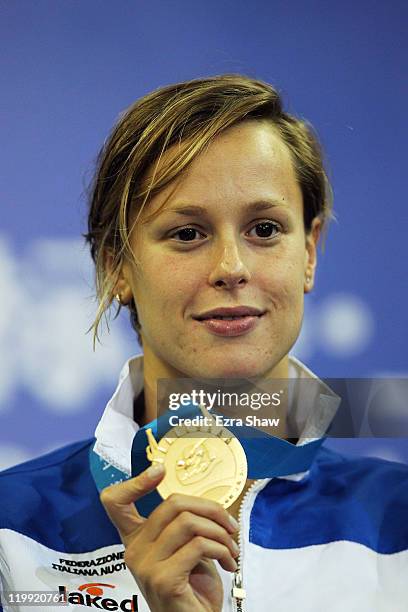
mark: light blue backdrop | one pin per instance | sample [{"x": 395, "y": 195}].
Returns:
[{"x": 70, "y": 67}]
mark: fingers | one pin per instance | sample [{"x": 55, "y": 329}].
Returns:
[
  {"x": 185, "y": 527},
  {"x": 177, "y": 503},
  {"x": 119, "y": 499},
  {"x": 187, "y": 557},
  {"x": 179, "y": 533}
]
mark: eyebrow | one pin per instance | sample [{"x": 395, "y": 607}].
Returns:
[{"x": 199, "y": 210}]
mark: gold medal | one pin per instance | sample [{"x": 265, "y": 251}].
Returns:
[{"x": 212, "y": 465}]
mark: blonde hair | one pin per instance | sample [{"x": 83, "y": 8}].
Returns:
[{"x": 190, "y": 114}]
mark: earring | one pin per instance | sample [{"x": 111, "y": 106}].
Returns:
[
  {"x": 117, "y": 296},
  {"x": 308, "y": 280}
]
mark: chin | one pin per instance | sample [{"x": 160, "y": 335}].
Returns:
[{"x": 234, "y": 368}]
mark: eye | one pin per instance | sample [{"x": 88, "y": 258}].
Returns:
[
  {"x": 266, "y": 229},
  {"x": 186, "y": 234}
]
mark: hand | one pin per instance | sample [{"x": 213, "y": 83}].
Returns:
[{"x": 169, "y": 554}]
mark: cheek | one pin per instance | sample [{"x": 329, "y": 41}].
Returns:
[
  {"x": 282, "y": 281},
  {"x": 166, "y": 285}
]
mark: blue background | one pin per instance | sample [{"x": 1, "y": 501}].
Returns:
[{"x": 70, "y": 67}]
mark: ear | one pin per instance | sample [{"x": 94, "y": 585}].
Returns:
[
  {"x": 122, "y": 286},
  {"x": 312, "y": 239}
]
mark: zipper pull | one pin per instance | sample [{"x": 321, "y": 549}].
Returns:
[{"x": 238, "y": 592}]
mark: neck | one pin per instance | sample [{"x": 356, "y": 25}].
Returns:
[{"x": 155, "y": 369}]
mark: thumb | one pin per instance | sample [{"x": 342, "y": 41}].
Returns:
[{"x": 118, "y": 499}]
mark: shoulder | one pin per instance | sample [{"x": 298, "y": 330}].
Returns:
[
  {"x": 371, "y": 496},
  {"x": 41, "y": 475},
  {"x": 55, "y": 457},
  {"x": 358, "y": 499},
  {"x": 378, "y": 485},
  {"x": 366, "y": 472},
  {"x": 53, "y": 500}
]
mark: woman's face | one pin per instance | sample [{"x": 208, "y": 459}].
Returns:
[{"x": 231, "y": 235}]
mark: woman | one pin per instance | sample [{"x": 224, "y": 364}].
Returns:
[{"x": 209, "y": 201}]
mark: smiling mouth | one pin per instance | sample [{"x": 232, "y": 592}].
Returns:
[
  {"x": 216, "y": 317},
  {"x": 229, "y": 318},
  {"x": 230, "y": 325}
]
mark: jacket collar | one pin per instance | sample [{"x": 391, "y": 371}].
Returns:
[{"x": 116, "y": 429}]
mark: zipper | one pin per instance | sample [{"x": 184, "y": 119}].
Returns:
[{"x": 238, "y": 592}]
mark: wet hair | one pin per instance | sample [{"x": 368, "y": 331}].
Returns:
[{"x": 189, "y": 114}]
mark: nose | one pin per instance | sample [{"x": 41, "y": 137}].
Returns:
[{"x": 229, "y": 269}]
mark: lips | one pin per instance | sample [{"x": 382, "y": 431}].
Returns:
[
  {"x": 236, "y": 326},
  {"x": 227, "y": 313},
  {"x": 230, "y": 321}
]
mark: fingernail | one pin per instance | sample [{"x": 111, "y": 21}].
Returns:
[
  {"x": 154, "y": 470},
  {"x": 234, "y": 523}
]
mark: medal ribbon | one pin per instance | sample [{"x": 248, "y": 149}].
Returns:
[{"x": 267, "y": 456}]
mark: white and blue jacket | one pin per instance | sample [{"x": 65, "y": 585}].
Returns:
[{"x": 329, "y": 538}]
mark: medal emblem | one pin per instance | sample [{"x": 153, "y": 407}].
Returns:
[{"x": 208, "y": 462}]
